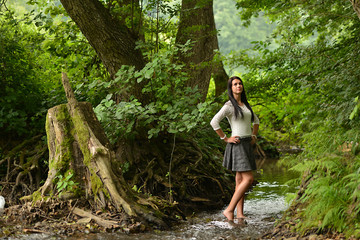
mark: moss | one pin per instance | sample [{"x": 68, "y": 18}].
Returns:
[
  {"x": 63, "y": 117},
  {"x": 67, "y": 156},
  {"x": 36, "y": 196},
  {"x": 83, "y": 135},
  {"x": 105, "y": 191},
  {"x": 75, "y": 127},
  {"x": 62, "y": 114},
  {"x": 96, "y": 183},
  {"x": 101, "y": 151},
  {"x": 47, "y": 128}
]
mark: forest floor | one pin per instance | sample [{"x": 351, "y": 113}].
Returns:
[
  {"x": 63, "y": 219},
  {"x": 58, "y": 219}
]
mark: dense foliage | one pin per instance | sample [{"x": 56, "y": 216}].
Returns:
[
  {"x": 175, "y": 108},
  {"x": 21, "y": 101}
]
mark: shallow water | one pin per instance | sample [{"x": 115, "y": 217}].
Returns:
[{"x": 263, "y": 205}]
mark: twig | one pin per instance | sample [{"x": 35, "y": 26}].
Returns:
[
  {"x": 3, "y": 3},
  {"x": 49, "y": 218},
  {"x": 72, "y": 209},
  {"x": 28, "y": 230},
  {"x": 171, "y": 157},
  {"x": 7, "y": 183}
]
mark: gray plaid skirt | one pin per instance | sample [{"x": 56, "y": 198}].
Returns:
[{"x": 239, "y": 157}]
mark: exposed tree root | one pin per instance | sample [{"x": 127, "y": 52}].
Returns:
[
  {"x": 194, "y": 176},
  {"x": 24, "y": 164}
]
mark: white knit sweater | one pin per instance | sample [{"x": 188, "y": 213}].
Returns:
[{"x": 239, "y": 126}]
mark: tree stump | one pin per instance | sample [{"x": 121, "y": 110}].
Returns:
[{"x": 79, "y": 147}]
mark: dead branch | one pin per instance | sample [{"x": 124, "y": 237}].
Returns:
[{"x": 102, "y": 222}]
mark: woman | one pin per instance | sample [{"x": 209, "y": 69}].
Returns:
[{"x": 238, "y": 155}]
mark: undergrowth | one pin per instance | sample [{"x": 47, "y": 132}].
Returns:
[{"x": 331, "y": 200}]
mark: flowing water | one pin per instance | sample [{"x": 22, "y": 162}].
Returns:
[{"x": 263, "y": 205}]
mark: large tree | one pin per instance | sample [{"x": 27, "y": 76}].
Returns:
[{"x": 197, "y": 24}]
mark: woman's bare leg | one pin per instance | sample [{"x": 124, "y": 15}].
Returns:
[
  {"x": 240, "y": 205},
  {"x": 247, "y": 179}
]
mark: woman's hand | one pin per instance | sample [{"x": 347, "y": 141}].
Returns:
[
  {"x": 253, "y": 139},
  {"x": 234, "y": 139}
]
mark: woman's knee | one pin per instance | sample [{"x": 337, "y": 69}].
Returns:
[
  {"x": 249, "y": 178},
  {"x": 246, "y": 177}
]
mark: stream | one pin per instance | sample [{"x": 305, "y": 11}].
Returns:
[{"x": 263, "y": 205}]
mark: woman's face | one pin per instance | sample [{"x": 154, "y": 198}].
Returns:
[{"x": 237, "y": 87}]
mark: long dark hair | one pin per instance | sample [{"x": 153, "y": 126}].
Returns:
[{"x": 237, "y": 109}]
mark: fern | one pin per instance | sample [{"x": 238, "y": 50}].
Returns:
[{"x": 331, "y": 200}]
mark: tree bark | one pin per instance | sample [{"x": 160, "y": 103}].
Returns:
[
  {"x": 220, "y": 78},
  {"x": 113, "y": 42},
  {"x": 356, "y": 6},
  {"x": 197, "y": 24}
]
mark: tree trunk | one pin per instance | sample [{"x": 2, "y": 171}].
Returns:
[
  {"x": 356, "y": 6},
  {"x": 220, "y": 78},
  {"x": 113, "y": 42},
  {"x": 197, "y": 24},
  {"x": 78, "y": 144}
]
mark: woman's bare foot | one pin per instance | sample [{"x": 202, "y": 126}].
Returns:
[
  {"x": 241, "y": 217},
  {"x": 229, "y": 215}
]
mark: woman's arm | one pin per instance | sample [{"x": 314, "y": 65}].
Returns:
[
  {"x": 254, "y": 133},
  {"x": 215, "y": 123},
  {"x": 225, "y": 138}
]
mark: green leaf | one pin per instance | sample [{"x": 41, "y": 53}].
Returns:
[
  {"x": 149, "y": 73},
  {"x": 109, "y": 103}
]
